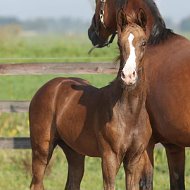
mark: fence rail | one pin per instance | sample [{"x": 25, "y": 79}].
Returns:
[
  {"x": 15, "y": 143},
  {"x": 14, "y": 106},
  {"x": 57, "y": 68}
]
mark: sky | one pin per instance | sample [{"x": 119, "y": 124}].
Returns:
[
  {"x": 29, "y": 9},
  {"x": 175, "y": 9}
]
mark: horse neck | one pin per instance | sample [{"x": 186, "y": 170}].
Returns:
[
  {"x": 131, "y": 99},
  {"x": 111, "y": 5}
]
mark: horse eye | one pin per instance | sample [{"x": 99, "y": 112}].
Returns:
[{"x": 143, "y": 43}]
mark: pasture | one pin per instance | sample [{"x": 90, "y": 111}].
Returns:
[{"x": 16, "y": 164}]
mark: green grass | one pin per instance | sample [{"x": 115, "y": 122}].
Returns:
[
  {"x": 16, "y": 171},
  {"x": 24, "y": 87},
  {"x": 53, "y": 49},
  {"x": 56, "y": 174},
  {"x": 55, "y": 178}
]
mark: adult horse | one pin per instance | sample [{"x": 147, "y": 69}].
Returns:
[
  {"x": 167, "y": 68},
  {"x": 111, "y": 122}
]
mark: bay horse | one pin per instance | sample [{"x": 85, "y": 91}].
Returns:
[
  {"x": 167, "y": 71},
  {"x": 110, "y": 122}
]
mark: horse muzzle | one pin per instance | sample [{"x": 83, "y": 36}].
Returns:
[
  {"x": 96, "y": 39},
  {"x": 130, "y": 78}
]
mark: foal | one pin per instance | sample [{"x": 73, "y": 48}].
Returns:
[{"x": 110, "y": 122}]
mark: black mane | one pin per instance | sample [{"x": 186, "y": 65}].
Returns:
[{"x": 159, "y": 31}]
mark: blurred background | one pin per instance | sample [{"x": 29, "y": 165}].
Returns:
[
  {"x": 41, "y": 30},
  {"x": 61, "y": 16},
  {"x": 56, "y": 31}
]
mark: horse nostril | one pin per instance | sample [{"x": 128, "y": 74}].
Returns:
[
  {"x": 122, "y": 74},
  {"x": 134, "y": 73}
]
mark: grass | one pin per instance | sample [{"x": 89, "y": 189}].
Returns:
[
  {"x": 55, "y": 178},
  {"x": 24, "y": 87},
  {"x": 19, "y": 162},
  {"x": 53, "y": 49}
]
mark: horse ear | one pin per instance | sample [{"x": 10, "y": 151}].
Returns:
[
  {"x": 142, "y": 19},
  {"x": 121, "y": 20}
]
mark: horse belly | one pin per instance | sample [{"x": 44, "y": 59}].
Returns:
[{"x": 169, "y": 105}]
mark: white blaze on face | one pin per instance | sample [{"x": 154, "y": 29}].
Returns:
[
  {"x": 130, "y": 65},
  {"x": 129, "y": 70}
]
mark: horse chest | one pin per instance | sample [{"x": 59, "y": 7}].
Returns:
[{"x": 117, "y": 127}]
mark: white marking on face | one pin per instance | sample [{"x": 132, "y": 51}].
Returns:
[
  {"x": 129, "y": 74},
  {"x": 130, "y": 65}
]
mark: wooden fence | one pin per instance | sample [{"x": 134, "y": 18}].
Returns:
[{"x": 41, "y": 69}]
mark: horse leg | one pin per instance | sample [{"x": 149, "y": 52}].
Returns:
[
  {"x": 110, "y": 166},
  {"x": 43, "y": 142},
  {"x": 139, "y": 169},
  {"x": 133, "y": 170},
  {"x": 75, "y": 167},
  {"x": 41, "y": 155},
  {"x": 176, "y": 163},
  {"x": 146, "y": 180}
]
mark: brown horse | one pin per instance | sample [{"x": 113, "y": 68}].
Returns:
[
  {"x": 167, "y": 68},
  {"x": 111, "y": 122}
]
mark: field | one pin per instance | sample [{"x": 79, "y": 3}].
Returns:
[
  {"x": 51, "y": 48},
  {"x": 16, "y": 164}
]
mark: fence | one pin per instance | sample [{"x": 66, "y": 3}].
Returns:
[{"x": 41, "y": 69}]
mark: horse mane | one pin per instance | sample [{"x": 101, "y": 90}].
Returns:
[{"x": 159, "y": 31}]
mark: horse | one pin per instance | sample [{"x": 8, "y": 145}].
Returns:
[
  {"x": 167, "y": 71},
  {"x": 111, "y": 122}
]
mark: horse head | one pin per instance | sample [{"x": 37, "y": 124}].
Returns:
[
  {"x": 103, "y": 23},
  {"x": 132, "y": 44}
]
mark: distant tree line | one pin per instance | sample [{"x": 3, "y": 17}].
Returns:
[
  {"x": 48, "y": 25},
  {"x": 182, "y": 26},
  {"x": 69, "y": 25}
]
